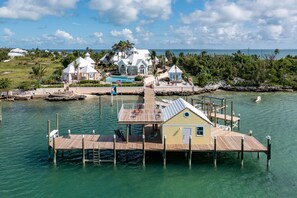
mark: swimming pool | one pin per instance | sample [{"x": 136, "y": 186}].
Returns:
[{"x": 123, "y": 79}]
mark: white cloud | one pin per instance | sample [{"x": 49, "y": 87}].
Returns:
[
  {"x": 8, "y": 32},
  {"x": 61, "y": 36},
  {"x": 228, "y": 21},
  {"x": 124, "y": 33},
  {"x": 64, "y": 35},
  {"x": 126, "y": 11},
  {"x": 143, "y": 34},
  {"x": 98, "y": 36},
  {"x": 34, "y": 9}
]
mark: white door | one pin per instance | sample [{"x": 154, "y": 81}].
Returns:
[{"x": 186, "y": 135}]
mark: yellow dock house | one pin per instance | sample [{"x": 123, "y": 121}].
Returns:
[{"x": 182, "y": 120}]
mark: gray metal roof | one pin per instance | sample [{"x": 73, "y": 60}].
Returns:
[{"x": 179, "y": 105}]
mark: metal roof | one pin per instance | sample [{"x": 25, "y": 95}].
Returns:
[
  {"x": 175, "y": 69},
  {"x": 179, "y": 105}
]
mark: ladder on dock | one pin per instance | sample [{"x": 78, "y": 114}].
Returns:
[{"x": 96, "y": 155}]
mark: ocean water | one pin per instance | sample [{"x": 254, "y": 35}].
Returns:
[
  {"x": 262, "y": 53},
  {"x": 26, "y": 172}
]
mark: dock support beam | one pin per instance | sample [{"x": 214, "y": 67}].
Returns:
[
  {"x": 225, "y": 111},
  {"x": 190, "y": 151},
  {"x": 231, "y": 116},
  {"x": 242, "y": 149},
  {"x": 215, "y": 151},
  {"x": 55, "y": 152},
  {"x": 215, "y": 116},
  {"x": 127, "y": 133},
  {"x": 49, "y": 138},
  {"x": 143, "y": 150},
  {"x": 268, "y": 151},
  {"x": 114, "y": 151},
  {"x": 164, "y": 151},
  {"x": 83, "y": 149},
  {"x": 57, "y": 122}
]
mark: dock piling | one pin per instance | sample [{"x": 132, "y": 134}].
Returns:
[
  {"x": 268, "y": 151},
  {"x": 49, "y": 138},
  {"x": 232, "y": 115},
  {"x": 251, "y": 133},
  {"x": 215, "y": 151},
  {"x": 55, "y": 151},
  {"x": 114, "y": 151},
  {"x": 143, "y": 150},
  {"x": 164, "y": 151},
  {"x": 242, "y": 149},
  {"x": 83, "y": 149},
  {"x": 190, "y": 151}
]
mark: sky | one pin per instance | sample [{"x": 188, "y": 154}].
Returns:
[{"x": 152, "y": 24}]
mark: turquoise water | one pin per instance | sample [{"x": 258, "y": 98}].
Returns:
[
  {"x": 26, "y": 172},
  {"x": 122, "y": 79}
]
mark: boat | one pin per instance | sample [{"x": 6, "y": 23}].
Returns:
[
  {"x": 167, "y": 101},
  {"x": 258, "y": 99}
]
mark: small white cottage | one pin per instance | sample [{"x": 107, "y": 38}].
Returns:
[{"x": 175, "y": 74}]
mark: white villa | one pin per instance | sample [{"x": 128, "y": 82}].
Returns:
[
  {"x": 132, "y": 62},
  {"x": 175, "y": 74},
  {"x": 17, "y": 52},
  {"x": 85, "y": 69}
]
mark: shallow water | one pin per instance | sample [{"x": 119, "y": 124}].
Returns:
[{"x": 26, "y": 172}]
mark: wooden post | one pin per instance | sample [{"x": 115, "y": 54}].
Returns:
[
  {"x": 231, "y": 115},
  {"x": 215, "y": 151},
  {"x": 130, "y": 129},
  {"x": 83, "y": 149},
  {"x": 143, "y": 150},
  {"x": 268, "y": 150},
  {"x": 215, "y": 116},
  {"x": 57, "y": 122},
  {"x": 225, "y": 111},
  {"x": 49, "y": 138},
  {"x": 127, "y": 133},
  {"x": 242, "y": 148},
  {"x": 114, "y": 151},
  {"x": 54, "y": 148},
  {"x": 164, "y": 151},
  {"x": 222, "y": 104},
  {"x": 190, "y": 151},
  {"x": 238, "y": 126},
  {"x": 192, "y": 101}
]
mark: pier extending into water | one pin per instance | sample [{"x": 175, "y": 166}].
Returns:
[{"x": 222, "y": 138}]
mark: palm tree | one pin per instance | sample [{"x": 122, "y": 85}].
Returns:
[
  {"x": 38, "y": 72},
  {"x": 153, "y": 56},
  {"x": 76, "y": 67},
  {"x": 5, "y": 84}
]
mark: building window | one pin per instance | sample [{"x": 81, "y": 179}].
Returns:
[
  {"x": 199, "y": 131},
  {"x": 186, "y": 114}
]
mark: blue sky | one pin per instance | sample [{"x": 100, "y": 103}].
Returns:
[{"x": 153, "y": 24}]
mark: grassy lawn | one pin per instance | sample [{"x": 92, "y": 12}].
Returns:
[{"x": 18, "y": 70}]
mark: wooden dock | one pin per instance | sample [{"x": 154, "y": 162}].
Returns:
[
  {"x": 227, "y": 141},
  {"x": 222, "y": 140}
]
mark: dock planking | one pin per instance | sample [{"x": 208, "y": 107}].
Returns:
[{"x": 226, "y": 142}]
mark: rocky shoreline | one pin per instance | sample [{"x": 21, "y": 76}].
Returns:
[{"x": 170, "y": 91}]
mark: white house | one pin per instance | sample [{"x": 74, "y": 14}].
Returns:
[
  {"x": 17, "y": 52},
  {"x": 132, "y": 62},
  {"x": 137, "y": 62},
  {"x": 79, "y": 69},
  {"x": 89, "y": 59},
  {"x": 175, "y": 74}
]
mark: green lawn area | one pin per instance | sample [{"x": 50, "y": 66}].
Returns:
[{"x": 18, "y": 69}]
